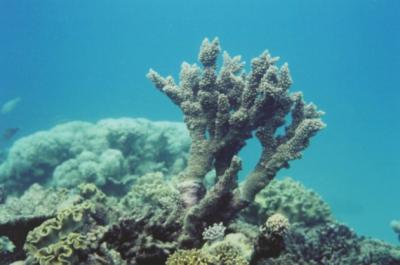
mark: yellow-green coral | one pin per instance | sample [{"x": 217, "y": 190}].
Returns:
[
  {"x": 62, "y": 252},
  {"x": 189, "y": 257},
  {"x": 237, "y": 245},
  {"x": 55, "y": 240},
  {"x": 227, "y": 254}
]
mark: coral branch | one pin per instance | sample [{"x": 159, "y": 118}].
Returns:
[
  {"x": 222, "y": 109},
  {"x": 208, "y": 210}
]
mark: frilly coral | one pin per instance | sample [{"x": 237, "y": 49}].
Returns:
[{"x": 56, "y": 240}]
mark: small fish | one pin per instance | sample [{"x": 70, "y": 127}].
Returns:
[
  {"x": 10, "y": 105},
  {"x": 9, "y": 133}
]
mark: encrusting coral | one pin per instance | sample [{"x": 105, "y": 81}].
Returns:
[{"x": 221, "y": 111}]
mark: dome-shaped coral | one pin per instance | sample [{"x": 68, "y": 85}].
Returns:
[{"x": 293, "y": 200}]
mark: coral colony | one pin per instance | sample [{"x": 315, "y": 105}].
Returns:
[{"x": 135, "y": 192}]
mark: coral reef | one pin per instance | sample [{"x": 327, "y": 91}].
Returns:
[
  {"x": 214, "y": 232},
  {"x": 271, "y": 239},
  {"x": 20, "y": 215},
  {"x": 57, "y": 240},
  {"x": 332, "y": 243},
  {"x": 221, "y": 111},
  {"x": 292, "y": 199},
  {"x": 235, "y": 247},
  {"x": 110, "y": 152},
  {"x": 131, "y": 192},
  {"x": 6, "y": 245}
]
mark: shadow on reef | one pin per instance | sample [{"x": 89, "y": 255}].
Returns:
[{"x": 132, "y": 192}]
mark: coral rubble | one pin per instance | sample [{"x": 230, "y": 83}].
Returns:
[{"x": 135, "y": 192}]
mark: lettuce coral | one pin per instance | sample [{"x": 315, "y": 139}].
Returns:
[{"x": 56, "y": 240}]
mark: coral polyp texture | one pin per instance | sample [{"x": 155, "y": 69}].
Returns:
[{"x": 136, "y": 192}]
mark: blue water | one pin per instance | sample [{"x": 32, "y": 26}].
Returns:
[{"x": 87, "y": 60}]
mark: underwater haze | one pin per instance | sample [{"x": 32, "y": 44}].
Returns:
[{"x": 87, "y": 60}]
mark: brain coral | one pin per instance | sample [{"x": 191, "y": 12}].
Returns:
[
  {"x": 114, "y": 150},
  {"x": 293, "y": 200}
]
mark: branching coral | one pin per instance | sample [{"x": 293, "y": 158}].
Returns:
[
  {"x": 179, "y": 220},
  {"x": 222, "y": 110},
  {"x": 214, "y": 232}
]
